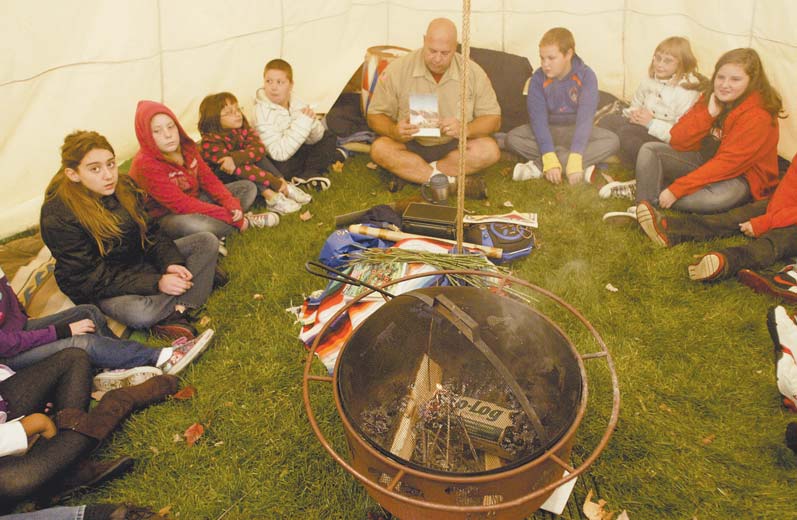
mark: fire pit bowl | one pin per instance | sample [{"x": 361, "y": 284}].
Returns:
[{"x": 460, "y": 402}]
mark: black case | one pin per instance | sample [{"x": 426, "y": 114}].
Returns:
[{"x": 432, "y": 220}]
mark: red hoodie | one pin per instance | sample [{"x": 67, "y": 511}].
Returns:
[
  {"x": 782, "y": 208},
  {"x": 748, "y": 146},
  {"x": 172, "y": 188}
]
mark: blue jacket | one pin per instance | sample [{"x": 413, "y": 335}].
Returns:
[{"x": 569, "y": 101}]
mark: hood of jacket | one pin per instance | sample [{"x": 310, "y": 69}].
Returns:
[{"x": 145, "y": 111}]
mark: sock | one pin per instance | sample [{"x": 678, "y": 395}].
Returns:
[{"x": 164, "y": 356}]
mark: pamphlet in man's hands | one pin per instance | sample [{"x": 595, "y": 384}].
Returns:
[{"x": 424, "y": 114}]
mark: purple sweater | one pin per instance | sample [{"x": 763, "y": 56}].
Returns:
[{"x": 14, "y": 339}]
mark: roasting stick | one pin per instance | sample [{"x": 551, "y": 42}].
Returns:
[{"x": 428, "y": 376}]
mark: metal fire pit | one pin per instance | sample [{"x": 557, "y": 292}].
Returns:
[{"x": 460, "y": 402}]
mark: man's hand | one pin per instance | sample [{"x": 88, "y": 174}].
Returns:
[
  {"x": 450, "y": 126},
  {"x": 82, "y": 327},
  {"x": 404, "y": 130}
]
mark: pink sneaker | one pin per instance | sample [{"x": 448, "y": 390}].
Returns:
[{"x": 185, "y": 351}]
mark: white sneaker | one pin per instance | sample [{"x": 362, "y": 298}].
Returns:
[
  {"x": 185, "y": 351},
  {"x": 316, "y": 183},
  {"x": 589, "y": 173},
  {"x": 619, "y": 190},
  {"x": 112, "y": 379},
  {"x": 619, "y": 218},
  {"x": 222, "y": 246},
  {"x": 282, "y": 204},
  {"x": 526, "y": 171},
  {"x": 262, "y": 220},
  {"x": 296, "y": 194}
]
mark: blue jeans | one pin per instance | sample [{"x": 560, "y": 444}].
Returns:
[
  {"x": 53, "y": 513},
  {"x": 103, "y": 347},
  {"x": 201, "y": 250},
  {"x": 176, "y": 226}
]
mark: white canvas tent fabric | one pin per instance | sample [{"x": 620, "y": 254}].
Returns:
[{"x": 84, "y": 64}]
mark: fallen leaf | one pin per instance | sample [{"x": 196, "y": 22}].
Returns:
[
  {"x": 508, "y": 204},
  {"x": 257, "y": 296},
  {"x": 337, "y": 167},
  {"x": 220, "y": 443},
  {"x": 595, "y": 511},
  {"x": 154, "y": 450},
  {"x": 663, "y": 407},
  {"x": 186, "y": 393},
  {"x": 708, "y": 439},
  {"x": 304, "y": 217},
  {"x": 487, "y": 203},
  {"x": 177, "y": 438},
  {"x": 165, "y": 510},
  {"x": 372, "y": 166},
  {"x": 611, "y": 288},
  {"x": 193, "y": 433},
  {"x": 204, "y": 321},
  {"x": 97, "y": 395},
  {"x": 228, "y": 404}
]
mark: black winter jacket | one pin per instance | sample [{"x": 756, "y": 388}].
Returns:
[{"x": 127, "y": 268}]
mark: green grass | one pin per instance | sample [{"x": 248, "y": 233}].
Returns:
[{"x": 694, "y": 362}]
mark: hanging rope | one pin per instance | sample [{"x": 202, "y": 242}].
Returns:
[{"x": 463, "y": 139}]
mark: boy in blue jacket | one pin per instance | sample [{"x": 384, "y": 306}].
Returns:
[{"x": 562, "y": 99}]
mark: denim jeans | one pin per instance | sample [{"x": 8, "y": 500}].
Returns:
[
  {"x": 53, "y": 513},
  {"x": 658, "y": 165},
  {"x": 177, "y": 226},
  {"x": 201, "y": 250},
  {"x": 103, "y": 347}
]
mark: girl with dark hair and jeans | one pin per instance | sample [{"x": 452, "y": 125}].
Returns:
[{"x": 109, "y": 253}]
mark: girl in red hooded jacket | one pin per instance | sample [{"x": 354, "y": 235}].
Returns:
[
  {"x": 182, "y": 190},
  {"x": 723, "y": 152}
]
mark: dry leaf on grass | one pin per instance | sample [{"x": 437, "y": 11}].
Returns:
[
  {"x": 154, "y": 450},
  {"x": 304, "y": 217},
  {"x": 165, "y": 510},
  {"x": 177, "y": 438},
  {"x": 372, "y": 166},
  {"x": 204, "y": 321},
  {"x": 611, "y": 288},
  {"x": 708, "y": 439},
  {"x": 337, "y": 167},
  {"x": 595, "y": 511},
  {"x": 508, "y": 204},
  {"x": 664, "y": 408},
  {"x": 193, "y": 433},
  {"x": 186, "y": 393},
  {"x": 257, "y": 296}
]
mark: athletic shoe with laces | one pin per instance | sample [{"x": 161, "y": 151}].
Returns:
[
  {"x": 526, "y": 171},
  {"x": 262, "y": 220},
  {"x": 619, "y": 190},
  {"x": 282, "y": 205},
  {"x": 782, "y": 284},
  {"x": 650, "y": 222},
  {"x": 185, "y": 351},
  {"x": 316, "y": 183},
  {"x": 618, "y": 218},
  {"x": 111, "y": 379},
  {"x": 783, "y": 332},
  {"x": 710, "y": 267},
  {"x": 295, "y": 194}
]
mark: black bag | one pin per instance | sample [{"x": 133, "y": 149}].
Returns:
[
  {"x": 431, "y": 220},
  {"x": 515, "y": 240}
]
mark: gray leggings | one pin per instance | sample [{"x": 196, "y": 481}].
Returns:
[
  {"x": 601, "y": 145},
  {"x": 658, "y": 165},
  {"x": 201, "y": 251}
]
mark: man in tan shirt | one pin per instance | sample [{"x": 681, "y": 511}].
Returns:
[{"x": 434, "y": 69}]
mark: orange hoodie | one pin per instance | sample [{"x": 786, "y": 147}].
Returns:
[
  {"x": 782, "y": 208},
  {"x": 172, "y": 188},
  {"x": 748, "y": 146}
]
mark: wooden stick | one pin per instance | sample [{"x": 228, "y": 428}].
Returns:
[
  {"x": 429, "y": 375},
  {"x": 395, "y": 236}
]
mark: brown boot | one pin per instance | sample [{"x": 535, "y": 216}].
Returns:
[{"x": 115, "y": 406}]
